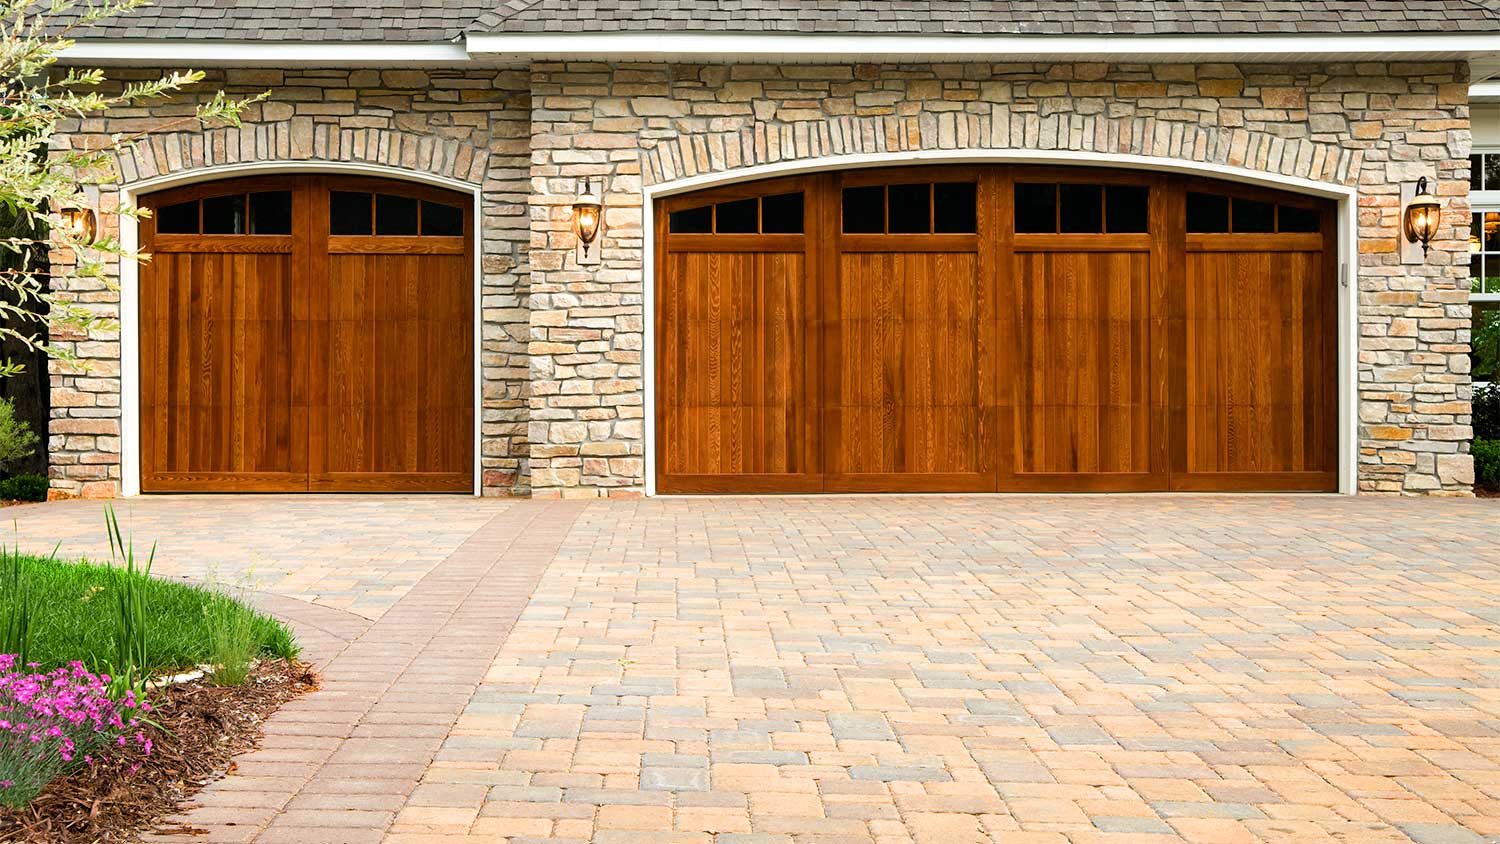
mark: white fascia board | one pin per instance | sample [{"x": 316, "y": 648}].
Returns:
[
  {"x": 827, "y": 46},
  {"x": 223, "y": 53},
  {"x": 1486, "y": 91}
]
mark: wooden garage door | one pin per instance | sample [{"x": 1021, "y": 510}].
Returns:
[
  {"x": 994, "y": 328},
  {"x": 307, "y": 333}
]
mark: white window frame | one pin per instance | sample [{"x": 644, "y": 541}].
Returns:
[{"x": 1480, "y": 202}]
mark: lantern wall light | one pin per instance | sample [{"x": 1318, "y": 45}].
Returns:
[
  {"x": 588, "y": 207},
  {"x": 1420, "y": 219},
  {"x": 80, "y": 223}
]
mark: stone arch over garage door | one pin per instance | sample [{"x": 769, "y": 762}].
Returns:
[{"x": 759, "y": 144}]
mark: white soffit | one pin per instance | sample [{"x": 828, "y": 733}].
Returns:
[{"x": 1485, "y": 92}]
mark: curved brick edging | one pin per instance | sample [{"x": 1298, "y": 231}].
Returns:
[
  {"x": 334, "y": 766},
  {"x": 322, "y": 632}
]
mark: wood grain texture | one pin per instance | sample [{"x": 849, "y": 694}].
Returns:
[
  {"x": 1257, "y": 391},
  {"x": 997, "y": 360},
  {"x": 268, "y": 366},
  {"x": 910, "y": 402},
  {"x": 1083, "y": 375},
  {"x": 732, "y": 341}
]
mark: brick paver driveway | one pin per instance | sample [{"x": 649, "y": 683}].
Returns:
[{"x": 1122, "y": 670}]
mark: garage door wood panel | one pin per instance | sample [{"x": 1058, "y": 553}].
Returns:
[
  {"x": 303, "y": 361},
  {"x": 216, "y": 384},
  {"x": 1117, "y": 343},
  {"x": 1256, "y": 402},
  {"x": 1083, "y": 400},
  {"x": 909, "y": 414},
  {"x": 733, "y": 335}
]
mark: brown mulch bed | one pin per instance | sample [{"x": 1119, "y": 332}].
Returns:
[
  {"x": 204, "y": 725},
  {"x": 1486, "y": 493}
]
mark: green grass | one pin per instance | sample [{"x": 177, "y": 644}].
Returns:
[{"x": 73, "y": 618}]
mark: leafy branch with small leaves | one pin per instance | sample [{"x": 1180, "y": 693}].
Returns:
[{"x": 40, "y": 176}]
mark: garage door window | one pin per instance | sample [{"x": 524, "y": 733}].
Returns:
[
  {"x": 1073, "y": 208},
  {"x": 1213, "y": 213},
  {"x": 260, "y": 212},
  {"x": 776, "y": 214},
  {"x": 915, "y": 208},
  {"x": 359, "y": 214}
]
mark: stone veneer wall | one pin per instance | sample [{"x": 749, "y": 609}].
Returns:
[
  {"x": 1372, "y": 125},
  {"x": 562, "y": 345},
  {"x": 469, "y": 125}
]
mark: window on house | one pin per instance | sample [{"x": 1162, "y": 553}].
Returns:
[
  {"x": 912, "y": 208},
  {"x": 1484, "y": 252},
  {"x": 1484, "y": 293},
  {"x": 1484, "y": 171},
  {"x": 777, "y": 214},
  {"x": 1081, "y": 208}
]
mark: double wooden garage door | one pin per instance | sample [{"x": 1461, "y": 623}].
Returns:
[
  {"x": 307, "y": 333},
  {"x": 995, "y": 328}
]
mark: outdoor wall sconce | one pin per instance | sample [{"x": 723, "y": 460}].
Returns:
[
  {"x": 587, "y": 208},
  {"x": 1420, "y": 219},
  {"x": 80, "y": 223}
]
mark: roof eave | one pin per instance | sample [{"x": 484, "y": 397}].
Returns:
[{"x": 223, "y": 53}]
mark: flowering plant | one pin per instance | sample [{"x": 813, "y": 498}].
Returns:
[{"x": 54, "y": 721}]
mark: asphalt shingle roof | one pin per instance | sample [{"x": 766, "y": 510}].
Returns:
[
  {"x": 1000, "y": 17},
  {"x": 442, "y": 20},
  {"x": 416, "y": 21}
]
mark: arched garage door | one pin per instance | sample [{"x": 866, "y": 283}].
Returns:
[
  {"x": 307, "y": 333},
  {"x": 995, "y": 328}
]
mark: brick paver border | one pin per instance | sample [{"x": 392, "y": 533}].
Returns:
[{"x": 335, "y": 766}]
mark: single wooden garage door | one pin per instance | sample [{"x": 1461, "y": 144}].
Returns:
[
  {"x": 307, "y": 333},
  {"x": 995, "y": 328}
]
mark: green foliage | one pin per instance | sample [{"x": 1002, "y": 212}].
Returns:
[
  {"x": 130, "y": 671},
  {"x": 233, "y": 639},
  {"x": 1487, "y": 464},
  {"x": 15, "y": 598},
  {"x": 38, "y": 177},
  {"x": 17, "y": 441},
  {"x": 1487, "y": 412},
  {"x": 1484, "y": 343},
  {"x": 73, "y": 617},
  {"x": 24, "y": 488}
]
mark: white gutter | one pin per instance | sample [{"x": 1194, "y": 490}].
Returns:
[
  {"x": 1019, "y": 47},
  {"x": 221, "y": 53},
  {"x": 727, "y": 46}
]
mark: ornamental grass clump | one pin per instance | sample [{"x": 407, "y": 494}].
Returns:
[{"x": 55, "y": 721}]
